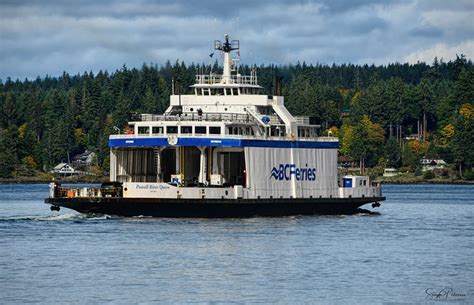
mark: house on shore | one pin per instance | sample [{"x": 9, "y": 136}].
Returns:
[
  {"x": 429, "y": 164},
  {"x": 64, "y": 169},
  {"x": 86, "y": 158},
  {"x": 344, "y": 162}
]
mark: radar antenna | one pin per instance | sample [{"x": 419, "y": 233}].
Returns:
[{"x": 229, "y": 63}]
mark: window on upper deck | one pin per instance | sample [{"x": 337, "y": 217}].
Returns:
[
  {"x": 171, "y": 129},
  {"x": 198, "y": 91},
  {"x": 235, "y": 91},
  {"x": 157, "y": 130},
  {"x": 200, "y": 130},
  {"x": 205, "y": 91},
  {"x": 217, "y": 91},
  {"x": 186, "y": 129},
  {"x": 143, "y": 130},
  {"x": 214, "y": 130}
]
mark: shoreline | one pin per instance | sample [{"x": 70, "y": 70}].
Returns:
[
  {"x": 25, "y": 180},
  {"x": 455, "y": 182},
  {"x": 33, "y": 180}
]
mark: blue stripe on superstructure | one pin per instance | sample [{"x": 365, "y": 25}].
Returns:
[
  {"x": 132, "y": 142},
  {"x": 140, "y": 142}
]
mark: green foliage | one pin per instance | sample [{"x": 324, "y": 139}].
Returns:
[
  {"x": 463, "y": 140},
  {"x": 8, "y": 151},
  {"x": 468, "y": 175},
  {"x": 428, "y": 175},
  {"x": 410, "y": 159},
  {"x": 392, "y": 153}
]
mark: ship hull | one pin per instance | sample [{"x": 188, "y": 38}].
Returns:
[{"x": 212, "y": 208}]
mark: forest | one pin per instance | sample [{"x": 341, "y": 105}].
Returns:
[{"x": 384, "y": 116}]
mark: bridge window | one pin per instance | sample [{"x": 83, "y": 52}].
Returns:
[
  {"x": 235, "y": 91},
  {"x": 205, "y": 91},
  {"x": 214, "y": 130},
  {"x": 186, "y": 129},
  {"x": 143, "y": 130},
  {"x": 157, "y": 130},
  {"x": 200, "y": 129},
  {"x": 217, "y": 91},
  {"x": 228, "y": 91},
  {"x": 171, "y": 129}
]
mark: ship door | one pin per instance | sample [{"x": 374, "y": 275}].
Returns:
[
  {"x": 234, "y": 168},
  {"x": 168, "y": 163}
]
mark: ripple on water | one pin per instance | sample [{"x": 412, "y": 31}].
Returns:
[{"x": 421, "y": 237}]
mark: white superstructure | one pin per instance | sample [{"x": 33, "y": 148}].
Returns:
[{"x": 229, "y": 141}]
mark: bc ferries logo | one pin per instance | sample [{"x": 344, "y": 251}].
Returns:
[
  {"x": 172, "y": 140},
  {"x": 287, "y": 171}
]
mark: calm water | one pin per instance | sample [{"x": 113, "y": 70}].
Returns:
[{"x": 422, "y": 239}]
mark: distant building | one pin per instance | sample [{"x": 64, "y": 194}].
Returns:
[
  {"x": 63, "y": 169},
  {"x": 413, "y": 136},
  {"x": 429, "y": 164},
  {"x": 346, "y": 162},
  {"x": 390, "y": 172},
  {"x": 86, "y": 158},
  {"x": 345, "y": 113}
]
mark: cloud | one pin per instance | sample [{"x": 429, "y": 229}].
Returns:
[
  {"x": 52, "y": 36},
  {"x": 442, "y": 51}
]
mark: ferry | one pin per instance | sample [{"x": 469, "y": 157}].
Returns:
[{"x": 227, "y": 150}]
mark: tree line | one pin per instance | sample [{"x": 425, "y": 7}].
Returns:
[{"x": 372, "y": 109}]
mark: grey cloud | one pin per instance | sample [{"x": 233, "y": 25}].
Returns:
[
  {"x": 48, "y": 37},
  {"x": 429, "y": 32}
]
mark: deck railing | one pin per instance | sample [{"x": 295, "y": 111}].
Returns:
[
  {"x": 233, "y": 79},
  {"x": 193, "y": 116},
  {"x": 73, "y": 192}
]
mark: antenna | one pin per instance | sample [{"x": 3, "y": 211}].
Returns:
[
  {"x": 229, "y": 64},
  {"x": 227, "y": 46}
]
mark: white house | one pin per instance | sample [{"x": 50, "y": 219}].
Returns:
[
  {"x": 429, "y": 164},
  {"x": 390, "y": 172},
  {"x": 63, "y": 169},
  {"x": 86, "y": 158}
]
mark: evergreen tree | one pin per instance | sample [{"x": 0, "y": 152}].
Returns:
[{"x": 392, "y": 153}]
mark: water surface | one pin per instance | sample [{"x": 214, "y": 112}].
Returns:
[{"x": 421, "y": 239}]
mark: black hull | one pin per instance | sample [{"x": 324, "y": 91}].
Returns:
[{"x": 212, "y": 208}]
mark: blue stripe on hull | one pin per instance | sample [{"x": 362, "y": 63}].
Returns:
[{"x": 150, "y": 142}]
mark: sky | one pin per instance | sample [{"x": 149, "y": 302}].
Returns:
[{"x": 39, "y": 38}]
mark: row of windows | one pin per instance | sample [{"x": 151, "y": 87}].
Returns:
[
  {"x": 238, "y": 130},
  {"x": 179, "y": 129},
  {"x": 226, "y": 91},
  {"x": 232, "y": 130},
  {"x": 307, "y": 132}
]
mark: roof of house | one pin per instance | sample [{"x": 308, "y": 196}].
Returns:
[
  {"x": 84, "y": 155},
  {"x": 59, "y": 166}
]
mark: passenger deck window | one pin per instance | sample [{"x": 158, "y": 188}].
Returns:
[
  {"x": 143, "y": 130},
  {"x": 235, "y": 91},
  {"x": 200, "y": 129},
  {"x": 217, "y": 91},
  {"x": 186, "y": 129},
  {"x": 171, "y": 129},
  {"x": 157, "y": 130},
  {"x": 214, "y": 130}
]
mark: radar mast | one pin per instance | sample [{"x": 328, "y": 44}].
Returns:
[{"x": 226, "y": 48}]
